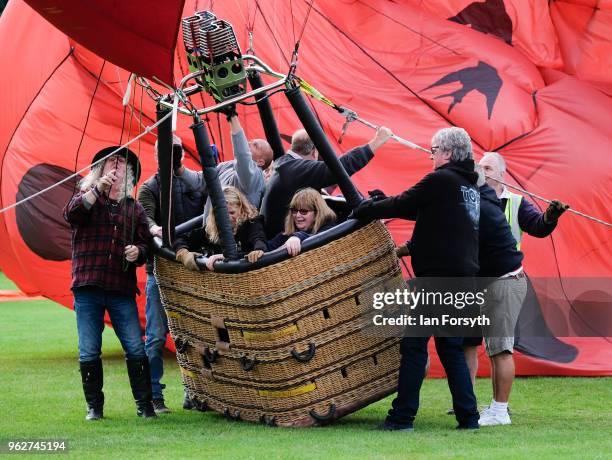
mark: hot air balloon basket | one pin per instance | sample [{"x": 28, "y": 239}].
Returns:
[{"x": 286, "y": 344}]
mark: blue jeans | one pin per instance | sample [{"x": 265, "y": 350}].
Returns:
[
  {"x": 412, "y": 373},
  {"x": 90, "y": 302},
  {"x": 156, "y": 332}
]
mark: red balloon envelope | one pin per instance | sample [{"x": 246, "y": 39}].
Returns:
[{"x": 535, "y": 90}]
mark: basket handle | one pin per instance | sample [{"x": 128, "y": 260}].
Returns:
[
  {"x": 227, "y": 415},
  {"x": 201, "y": 406},
  {"x": 326, "y": 417},
  {"x": 180, "y": 345},
  {"x": 210, "y": 357},
  {"x": 267, "y": 420},
  {"x": 307, "y": 355},
  {"x": 247, "y": 364}
]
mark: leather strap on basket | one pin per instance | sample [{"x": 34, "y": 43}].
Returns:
[
  {"x": 208, "y": 356},
  {"x": 269, "y": 420},
  {"x": 229, "y": 416},
  {"x": 247, "y": 363},
  {"x": 307, "y": 355},
  {"x": 326, "y": 418},
  {"x": 181, "y": 345}
]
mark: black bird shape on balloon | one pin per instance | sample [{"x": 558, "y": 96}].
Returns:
[
  {"x": 489, "y": 17},
  {"x": 482, "y": 78}
]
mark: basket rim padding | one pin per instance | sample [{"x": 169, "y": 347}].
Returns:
[{"x": 272, "y": 257}]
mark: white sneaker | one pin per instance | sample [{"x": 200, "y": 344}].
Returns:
[{"x": 490, "y": 418}]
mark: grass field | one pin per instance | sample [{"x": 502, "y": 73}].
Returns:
[{"x": 41, "y": 397}]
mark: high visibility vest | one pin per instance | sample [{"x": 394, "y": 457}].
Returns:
[{"x": 512, "y": 207}]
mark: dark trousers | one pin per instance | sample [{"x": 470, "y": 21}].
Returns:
[{"x": 412, "y": 373}]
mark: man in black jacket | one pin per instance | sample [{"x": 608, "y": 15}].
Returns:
[
  {"x": 188, "y": 198},
  {"x": 446, "y": 207},
  {"x": 299, "y": 169}
]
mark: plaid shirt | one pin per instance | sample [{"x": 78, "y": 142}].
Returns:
[{"x": 98, "y": 243}]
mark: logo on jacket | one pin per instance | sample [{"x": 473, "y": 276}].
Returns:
[
  {"x": 471, "y": 201},
  {"x": 489, "y": 17},
  {"x": 482, "y": 78}
]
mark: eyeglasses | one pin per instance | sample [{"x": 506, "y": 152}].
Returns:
[
  {"x": 434, "y": 149},
  {"x": 300, "y": 211}
]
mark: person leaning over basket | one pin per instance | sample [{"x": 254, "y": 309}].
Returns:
[
  {"x": 299, "y": 168},
  {"x": 188, "y": 197},
  {"x": 247, "y": 227},
  {"x": 446, "y": 208},
  {"x": 245, "y": 172},
  {"x": 308, "y": 215},
  {"x": 110, "y": 237}
]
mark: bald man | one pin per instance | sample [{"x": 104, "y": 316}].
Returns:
[
  {"x": 520, "y": 213},
  {"x": 299, "y": 169}
]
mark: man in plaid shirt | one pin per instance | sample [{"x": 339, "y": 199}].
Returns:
[{"x": 110, "y": 237}]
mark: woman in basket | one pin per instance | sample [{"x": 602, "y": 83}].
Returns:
[{"x": 308, "y": 215}]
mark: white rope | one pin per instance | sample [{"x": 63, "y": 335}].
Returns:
[
  {"x": 546, "y": 200},
  {"x": 350, "y": 116},
  {"x": 398, "y": 139},
  {"x": 147, "y": 130}
]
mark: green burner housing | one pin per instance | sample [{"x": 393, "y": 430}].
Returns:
[{"x": 212, "y": 47}]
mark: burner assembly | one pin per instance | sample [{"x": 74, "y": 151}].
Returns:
[{"x": 212, "y": 49}]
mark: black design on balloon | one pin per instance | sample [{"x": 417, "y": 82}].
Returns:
[
  {"x": 40, "y": 221},
  {"x": 541, "y": 344},
  {"x": 482, "y": 78},
  {"x": 489, "y": 17}
]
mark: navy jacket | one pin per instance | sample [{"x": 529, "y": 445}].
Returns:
[
  {"x": 497, "y": 247},
  {"x": 530, "y": 219}
]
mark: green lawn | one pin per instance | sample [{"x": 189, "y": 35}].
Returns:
[
  {"x": 41, "y": 397},
  {"x": 6, "y": 283}
]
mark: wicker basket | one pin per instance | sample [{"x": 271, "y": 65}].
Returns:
[{"x": 283, "y": 344}]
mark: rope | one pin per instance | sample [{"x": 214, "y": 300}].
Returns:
[
  {"x": 294, "y": 55},
  {"x": 272, "y": 32},
  {"x": 305, "y": 20},
  {"x": 351, "y": 115},
  {"x": 136, "y": 172},
  {"x": 546, "y": 200},
  {"x": 292, "y": 21},
  {"x": 147, "y": 130},
  {"x": 126, "y": 100},
  {"x": 93, "y": 96},
  {"x": 249, "y": 27}
]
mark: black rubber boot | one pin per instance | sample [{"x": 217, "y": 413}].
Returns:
[
  {"x": 140, "y": 380},
  {"x": 93, "y": 379}
]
